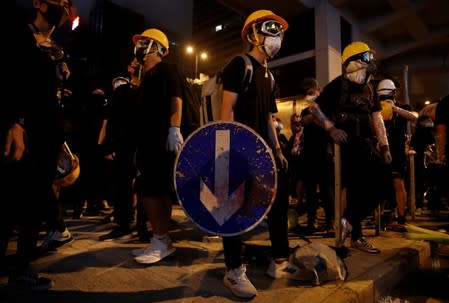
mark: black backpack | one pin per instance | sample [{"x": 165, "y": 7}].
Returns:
[{"x": 212, "y": 91}]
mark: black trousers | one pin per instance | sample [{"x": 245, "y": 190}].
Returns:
[
  {"x": 366, "y": 178},
  {"x": 277, "y": 228}
]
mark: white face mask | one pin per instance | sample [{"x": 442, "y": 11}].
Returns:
[
  {"x": 272, "y": 45},
  {"x": 356, "y": 72},
  {"x": 358, "y": 77}
]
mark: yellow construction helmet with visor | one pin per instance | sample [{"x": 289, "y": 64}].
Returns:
[
  {"x": 357, "y": 51},
  {"x": 150, "y": 41},
  {"x": 268, "y": 23}
]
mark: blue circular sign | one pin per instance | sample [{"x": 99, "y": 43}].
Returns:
[{"x": 225, "y": 178}]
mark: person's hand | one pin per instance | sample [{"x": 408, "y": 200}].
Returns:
[
  {"x": 110, "y": 156},
  {"x": 174, "y": 139},
  {"x": 339, "y": 136},
  {"x": 386, "y": 154},
  {"x": 15, "y": 143},
  {"x": 284, "y": 163},
  {"x": 62, "y": 71}
]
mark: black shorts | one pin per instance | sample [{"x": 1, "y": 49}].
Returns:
[{"x": 155, "y": 172}]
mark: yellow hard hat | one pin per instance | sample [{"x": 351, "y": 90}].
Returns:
[
  {"x": 259, "y": 16},
  {"x": 67, "y": 169},
  {"x": 155, "y": 34},
  {"x": 355, "y": 48}
]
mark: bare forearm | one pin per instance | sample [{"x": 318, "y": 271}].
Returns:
[
  {"x": 319, "y": 117},
  {"x": 405, "y": 113},
  {"x": 379, "y": 128},
  {"x": 176, "y": 112}
]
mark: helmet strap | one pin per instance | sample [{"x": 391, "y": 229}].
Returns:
[{"x": 160, "y": 50}]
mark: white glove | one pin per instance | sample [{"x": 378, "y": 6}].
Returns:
[{"x": 174, "y": 139}]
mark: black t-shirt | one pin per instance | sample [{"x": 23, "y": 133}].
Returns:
[
  {"x": 158, "y": 86},
  {"x": 253, "y": 107},
  {"x": 34, "y": 85},
  {"x": 396, "y": 132},
  {"x": 121, "y": 127},
  {"x": 349, "y": 105},
  {"x": 442, "y": 117}
]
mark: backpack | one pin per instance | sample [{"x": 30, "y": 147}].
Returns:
[
  {"x": 191, "y": 106},
  {"x": 212, "y": 91},
  {"x": 319, "y": 263}
]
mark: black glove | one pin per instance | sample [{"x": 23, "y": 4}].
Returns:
[{"x": 339, "y": 136}]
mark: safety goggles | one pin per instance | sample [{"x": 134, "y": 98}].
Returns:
[
  {"x": 365, "y": 57},
  {"x": 271, "y": 28}
]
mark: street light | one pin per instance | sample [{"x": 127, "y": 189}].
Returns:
[{"x": 202, "y": 55}]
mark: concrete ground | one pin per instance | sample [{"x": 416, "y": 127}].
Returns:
[{"x": 88, "y": 270}]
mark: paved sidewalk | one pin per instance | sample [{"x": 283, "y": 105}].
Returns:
[{"x": 88, "y": 270}]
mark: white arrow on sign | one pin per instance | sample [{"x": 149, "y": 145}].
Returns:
[{"x": 219, "y": 203}]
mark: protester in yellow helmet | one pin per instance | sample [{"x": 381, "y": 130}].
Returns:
[
  {"x": 263, "y": 30},
  {"x": 349, "y": 110},
  {"x": 159, "y": 139}
]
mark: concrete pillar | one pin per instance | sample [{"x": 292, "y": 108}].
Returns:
[{"x": 327, "y": 42}]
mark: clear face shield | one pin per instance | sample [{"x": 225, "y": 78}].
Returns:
[{"x": 147, "y": 47}]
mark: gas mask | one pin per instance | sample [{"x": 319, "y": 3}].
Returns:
[
  {"x": 272, "y": 45},
  {"x": 359, "y": 71},
  {"x": 356, "y": 72}
]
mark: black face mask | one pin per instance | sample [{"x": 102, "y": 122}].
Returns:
[
  {"x": 140, "y": 54},
  {"x": 54, "y": 14}
]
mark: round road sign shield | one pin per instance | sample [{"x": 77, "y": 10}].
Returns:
[{"x": 225, "y": 178}]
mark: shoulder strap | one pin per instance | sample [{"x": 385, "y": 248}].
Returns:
[{"x": 248, "y": 75}]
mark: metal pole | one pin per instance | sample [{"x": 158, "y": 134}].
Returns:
[
  {"x": 196, "y": 66},
  {"x": 412, "y": 194},
  {"x": 337, "y": 194},
  {"x": 411, "y": 154}
]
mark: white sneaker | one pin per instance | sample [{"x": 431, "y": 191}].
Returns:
[
  {"x": 138, "y": 252},
  {"x": 346, "y": 229},
  {"x": 56, "y": 239},
  {"x": 238, "y": 283},
  {"x": 156, "y": 251},
  {"x": 283, "y": 270}
]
